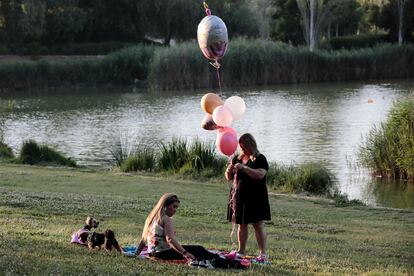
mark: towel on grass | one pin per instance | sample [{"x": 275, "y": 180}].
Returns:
[{"x": 131, "y": 249}]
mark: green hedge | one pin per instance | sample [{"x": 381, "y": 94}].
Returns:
[{"x": 359, "y": 41}]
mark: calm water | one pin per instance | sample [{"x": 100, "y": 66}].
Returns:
[{"x": 292, "y": 124}]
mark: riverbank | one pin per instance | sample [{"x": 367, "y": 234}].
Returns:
[
  {"x": 247, "y": 63},
  {"x": 41, "y": 207}
]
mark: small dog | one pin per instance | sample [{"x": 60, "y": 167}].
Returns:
[
  {"x": 81, "y": 236},
  {"x": 91, "y": 222},
  {"x": 106, "y": 239}
]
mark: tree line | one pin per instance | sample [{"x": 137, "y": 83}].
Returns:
[{"x": 293, "y": 21}]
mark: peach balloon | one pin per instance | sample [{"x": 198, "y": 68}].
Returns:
[{"x": 210, "y": 101}]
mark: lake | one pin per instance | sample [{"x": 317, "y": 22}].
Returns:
[{"x": 292, "y": 124}]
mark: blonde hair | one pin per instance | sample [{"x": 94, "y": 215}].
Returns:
[
  {"x": 248, "y": 141},
  {"x": 158, "y": 211}
]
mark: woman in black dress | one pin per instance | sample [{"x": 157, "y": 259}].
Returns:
[{"x": 249, "y": 201}]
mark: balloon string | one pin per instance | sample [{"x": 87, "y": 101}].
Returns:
[
  {"x": 219, "y": 81},
  {"x": 208, "y": 11},
  {"x": 233, "y": 205}
]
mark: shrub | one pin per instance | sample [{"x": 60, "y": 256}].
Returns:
[
  {"x": 5, "y": 151},
  {"x": 388, "y": 149},
  {"x": 314, "y": 178},
  {"x": 342, "y": 200},
  {"x": 311, "y": 177},
  {"x": 32, "y": 153}
]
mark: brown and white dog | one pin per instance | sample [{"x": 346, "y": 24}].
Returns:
[
  {"x": 81, "y": 236},
  {"x": 106, "y": 239}
]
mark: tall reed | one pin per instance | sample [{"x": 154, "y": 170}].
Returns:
[
  {"x": 173, "y": 155},
  {"x": 388, "y": 149},
  {"x": 143, "y": 159}
]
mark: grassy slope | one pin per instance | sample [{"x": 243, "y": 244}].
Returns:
[{"x": 41, "y": 207}]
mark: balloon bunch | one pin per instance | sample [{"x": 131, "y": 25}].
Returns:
[{"x": 219, "y": 117}]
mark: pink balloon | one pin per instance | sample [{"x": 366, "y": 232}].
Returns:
[
  {"x": 226, "y": 143},
  {"x": 222, "y": 116},
  {"x": 227, "y": 129}
]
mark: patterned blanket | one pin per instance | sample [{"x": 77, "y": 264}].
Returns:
[{"x": 130, "y": 252}]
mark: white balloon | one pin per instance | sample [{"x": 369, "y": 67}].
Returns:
[
  {"x": 236, "y": 105},
  {"x": 222, "y": 116}
]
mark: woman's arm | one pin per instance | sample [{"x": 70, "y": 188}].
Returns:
[
  {"x": 253, "y": 173},
  {"x": 140, "y": 247},
  {"x": 170, "y": 237}
]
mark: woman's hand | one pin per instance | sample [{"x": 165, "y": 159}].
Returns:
[
  {"x": 240, "y": 166},
  {"x": 230, "y": 168},
  {"x": 188, "y": 255}
]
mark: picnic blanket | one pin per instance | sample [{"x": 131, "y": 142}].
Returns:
[{"x": 131, "y": 249}]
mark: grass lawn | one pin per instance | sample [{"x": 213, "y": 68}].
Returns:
[{"x": 41, "y": 207}]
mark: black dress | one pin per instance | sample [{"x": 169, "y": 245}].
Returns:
[{"x": 251, "y": 197}]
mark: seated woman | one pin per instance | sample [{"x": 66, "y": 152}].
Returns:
[{"x": 159, "y": 235}]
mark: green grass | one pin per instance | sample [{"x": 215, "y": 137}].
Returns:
[{"x": 41, "y": 207}]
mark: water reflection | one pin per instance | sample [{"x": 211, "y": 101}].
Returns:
[{"x": 292, "y": 123}]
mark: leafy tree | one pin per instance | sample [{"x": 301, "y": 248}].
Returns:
[
  {"x": 122, "y": 20},
  {"x": 399, "y": 22},
  {"x": 286, "y": 22},
  {"x": 12, "y": 14},
  {"x": 64, "y": 23},
  {"x": 263, "y": 12},
  {"x": 173, "y": 19},
  {"x": 345, "y": 17},
  {"x": 371, "y": 17},
  {"x": 316, "y": 15}
]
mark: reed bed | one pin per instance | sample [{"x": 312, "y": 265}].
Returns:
[
  {"x": 262, "y": 62},
  {"x": 127, "y": 66},
  {"x": 388, "y": 149},
  {"x": 248, "y": 62}
]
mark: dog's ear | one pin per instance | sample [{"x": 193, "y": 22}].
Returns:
[{"x": 88, "y": 221}]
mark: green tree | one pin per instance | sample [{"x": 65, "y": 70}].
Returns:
[
  {"x": 65, "y": 23},
  {"x": 399, "y": 23},
  {"x": 12, "y": 14},
  {"x": 286, "y": 22},
  {"x": 344, "y": 17}
]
